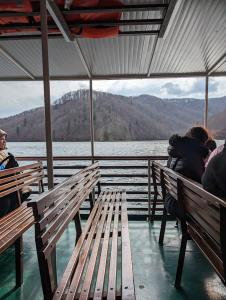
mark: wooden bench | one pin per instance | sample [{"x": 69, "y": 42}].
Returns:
[
  {"x": 14, "y": 224},
  {"x": 100, "y": 247},
  {"x": 204, "y": 223}
]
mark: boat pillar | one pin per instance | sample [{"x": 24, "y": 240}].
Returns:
[{"x": 46, "y": 84}]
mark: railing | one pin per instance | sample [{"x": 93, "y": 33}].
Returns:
[{"x": 132, "y": 173}]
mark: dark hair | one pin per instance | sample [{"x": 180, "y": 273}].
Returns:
[
  {"x": 199, "y": 133},
  {"x": 211, "y": 144}
]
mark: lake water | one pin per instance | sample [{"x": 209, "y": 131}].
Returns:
[{"x": 83, "y": 148}]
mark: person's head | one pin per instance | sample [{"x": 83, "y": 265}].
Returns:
[
  {"x": 199, "y": 133},
  {"x": 211, "y": 144},
  {"x": 3, "y": 136}
]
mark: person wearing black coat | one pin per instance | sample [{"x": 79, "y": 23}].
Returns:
[
  {"x": 7, "y": 161},
  {"x": 214, "y": 178},
  {"x": 186, "y": 156}
]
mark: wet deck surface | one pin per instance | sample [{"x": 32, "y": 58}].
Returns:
[{"x": 154, "y": 267}]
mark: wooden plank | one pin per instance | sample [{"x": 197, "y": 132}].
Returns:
[
  {"x": 63, "y": 208},
  {"x": 63, "y": 225},
  {"x": 47, "y": 199},
  {"x": 13, "y": 214},
  {"x": 19, "y": 169},
  {"x": 60, "y": 199},
  {"x": 99, "y": 288},
  {"x": 92, "y": 261},
  {"x": 203, "y": 222},
  {"x": 11, "y": 238},
  {"x": 207, "y": 251},
  {"x": 29, "y": 172},
  {"x": 111, "y": 294},
  {"x": 15, "y": 220},
  {"x": 84, "y": 254},
  {"x": 128, "y": 291},
  {"x": 18, "y": 186},
  {"x": 14, "y": 228},
  {"x": 92, "y": 221}
]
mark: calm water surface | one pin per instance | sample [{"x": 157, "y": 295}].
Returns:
[{"x": 83, "y": 148}]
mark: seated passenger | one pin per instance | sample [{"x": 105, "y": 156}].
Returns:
[
  {"x": 211, "y": 144},
  {"x": 214, "y": 178},
  {"x": 186, "y": 156},
  {"x": 7, "y": 161},
  {"x": 215, "y": 152}
]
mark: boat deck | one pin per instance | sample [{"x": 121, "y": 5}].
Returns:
[{"x": 154, "y": 267}]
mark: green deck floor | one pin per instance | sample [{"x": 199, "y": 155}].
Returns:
[{"x": 154, "y": 267}]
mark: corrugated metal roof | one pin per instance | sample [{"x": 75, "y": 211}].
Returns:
[
  {"x": 118, "y": 56},
  {"x": 63, "y": 57},
  {"x": 8, "y": 68},
  {"x": 194, "y": 41}
]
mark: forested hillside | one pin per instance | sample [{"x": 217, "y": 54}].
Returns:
[{"x": 115, "y": 118}]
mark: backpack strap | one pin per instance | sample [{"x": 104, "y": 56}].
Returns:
[{"x": 4, "y": 159}]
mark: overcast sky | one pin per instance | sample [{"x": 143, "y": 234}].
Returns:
[{"x": 20, "y": 96}]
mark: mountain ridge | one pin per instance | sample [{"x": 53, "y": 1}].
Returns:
[{"x": 116, "y": 117}]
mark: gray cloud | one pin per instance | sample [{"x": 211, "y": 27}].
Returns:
[
  {"x": 214, "y": 85},
  {"x": 173, "y": 89},
  {"x": 20, "y": 96},
  {"x": 196, "y": 89}
]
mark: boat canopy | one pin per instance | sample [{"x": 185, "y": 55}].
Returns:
[{"x": 125, "y": 39}]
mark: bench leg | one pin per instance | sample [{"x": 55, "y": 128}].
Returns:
[
  {"x": 163, "y": 227},
  {"x": 153, "y": 208},
  {"x": 181, "y": 260},
  {"x": 78, "y": 226},
  {"x": 19, "y": 261},
  {"x": 91, "y": 200},
  {"x": 99, "y": 188}
]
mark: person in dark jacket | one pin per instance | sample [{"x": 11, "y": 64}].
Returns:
[
  {"x": 214, "y": 178},
  {"x": 186, "y": 156},
  {"x": 8, "y": 161}
]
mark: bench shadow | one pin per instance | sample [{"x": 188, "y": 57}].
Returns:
[{"x": 7, "y": 294}]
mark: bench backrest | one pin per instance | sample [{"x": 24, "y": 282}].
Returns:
[
  {"x": 54, "y": 211},
  {"x": 156, "y": 170},
  {"x": 168, "y": 182},
  {"x": 205, "y": 218},
  {"x": 14, "y": 179}
]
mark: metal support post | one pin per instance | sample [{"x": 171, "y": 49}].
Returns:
[
  {"x": 45, "y": 66},
  {"x": 91, "y": 119},
  {"x": 206, "y": 102},
  {"x": 149, "y": 190}
]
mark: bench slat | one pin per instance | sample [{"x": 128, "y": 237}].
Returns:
[
  {"x": 15, "y": 186},
  {"x": 57, "y": 235},
  {"x": 103, "y": 256},
  {"x": 92, "y": 221},
  {"x": 67, "y": 205},
  {"x": 11, "y": 235},
  {"x": 128, "y": 292},
  {"x": 49, "y": 198},
  {"x": 208, "y": 252},
  {"x": 14, "y": 178},
  {"x": 114, "y": 250},
  {"x": 13, "y": 221},
  {"x": 66, "y": 195},
  {"x": 97, "y": 242},
  {"x": 84, "y": 254},
  {"x": 11, "y": 171}
]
